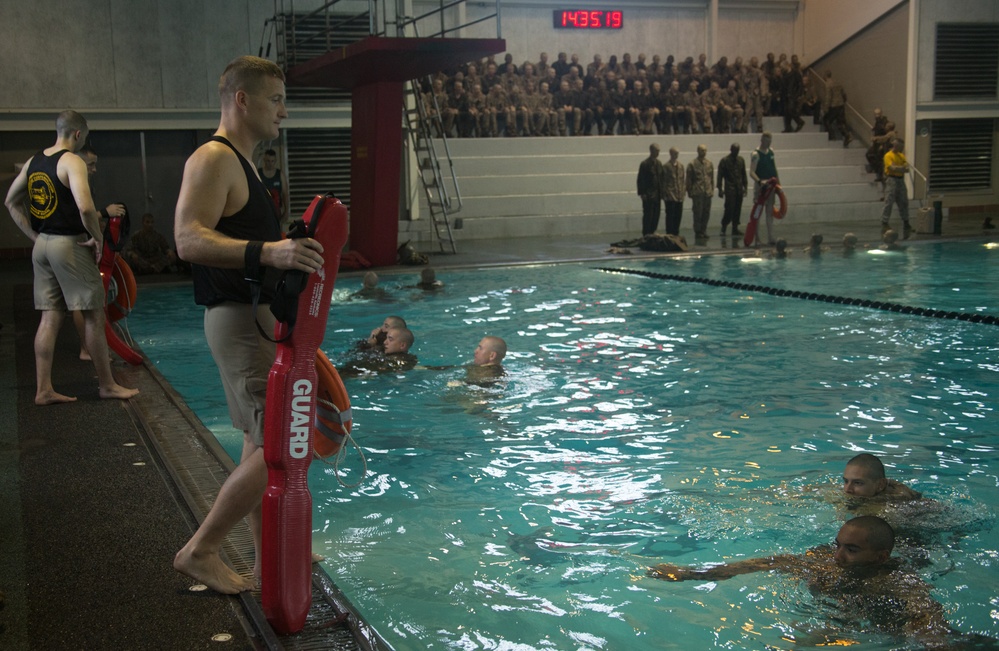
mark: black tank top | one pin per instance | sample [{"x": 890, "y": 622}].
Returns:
[
  {"x": 257, "y": 220},
  {"x": 51, "y": 203}
]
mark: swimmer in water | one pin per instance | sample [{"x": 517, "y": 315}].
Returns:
[
  {"x": 393, "y": 357},
  {"x": 864, "y": 476},
  {"x": 377, "y": 337},
  {"x": 858, "y": 572}
]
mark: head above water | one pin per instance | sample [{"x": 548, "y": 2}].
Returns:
[
  {"x": 864, "y": 476},
  {"x": 398, "y": 340},
  {"x": 863, "y": 542},
  {"x": 490, "y": 351}
]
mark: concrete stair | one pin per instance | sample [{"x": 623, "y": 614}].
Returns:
[{"x": 531, "y": 187}]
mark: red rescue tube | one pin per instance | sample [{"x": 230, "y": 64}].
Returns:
[
  {"x": 286, "y": 561},
  {"x": 113, "y": 266},
  {"x": 124, "y": 298},
  {"x": 769, "y": 188}
]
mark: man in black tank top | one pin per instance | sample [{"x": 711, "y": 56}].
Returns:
[
  {"x": 50, "y": 202},
  {"x": 226, "y": 226}
]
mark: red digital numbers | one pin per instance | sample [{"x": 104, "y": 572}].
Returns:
[{"x": 588, "y": 19}]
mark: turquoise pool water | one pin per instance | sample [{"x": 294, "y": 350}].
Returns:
[{"x": 644, "y": 421}]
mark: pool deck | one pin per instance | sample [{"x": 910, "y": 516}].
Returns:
[{"x": 93, "y": 505}]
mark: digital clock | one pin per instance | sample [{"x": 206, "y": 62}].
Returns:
[{"x": 588, "y": 19}]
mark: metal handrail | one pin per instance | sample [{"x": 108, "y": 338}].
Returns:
[{"x": 912, "y": 168}]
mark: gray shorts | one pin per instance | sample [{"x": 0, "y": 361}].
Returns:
[
  {"x": 66, "y": 275},
  {"x": 244, "y": 359}
]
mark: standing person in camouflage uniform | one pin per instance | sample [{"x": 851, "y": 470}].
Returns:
[
  {"x": 755, "y": 87},
  {"x": 700, "y": 188},
  {"x": 674, "y": 186},
  {"x": 732, "y": 186},
  {"x": 836, "y": 110},
  {"x": 794, "y": 93},
  {"x": 650, "y": 182}
]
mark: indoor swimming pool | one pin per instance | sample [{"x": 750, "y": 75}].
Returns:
[{"x": 641, "y": 420}]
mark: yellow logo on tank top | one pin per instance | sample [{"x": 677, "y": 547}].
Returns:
[{"x": 42, "y": 194}]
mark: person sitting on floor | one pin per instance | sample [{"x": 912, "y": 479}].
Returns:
[{"x": 148, "y": 251}]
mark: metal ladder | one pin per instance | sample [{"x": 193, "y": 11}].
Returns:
[{"x": 440, "y": 185}]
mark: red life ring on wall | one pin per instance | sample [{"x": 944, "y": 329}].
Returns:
[{"x": 333, "y": 414}]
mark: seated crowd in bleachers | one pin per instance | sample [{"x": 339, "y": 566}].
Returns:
[{"x": 565, "y": 97}]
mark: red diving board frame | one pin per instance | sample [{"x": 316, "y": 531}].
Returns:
[{"x": 375, "y": 69}]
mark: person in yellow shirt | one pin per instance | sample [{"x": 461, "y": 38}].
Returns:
[{"x": 895, "y": 193}]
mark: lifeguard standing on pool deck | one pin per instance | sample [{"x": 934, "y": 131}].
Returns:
[
  {"x": 227, "y": 226},
  {"x": 64, "y": 226},
  {"x": 762, "y": 168}
]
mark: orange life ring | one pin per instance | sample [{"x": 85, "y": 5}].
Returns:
[
  {"x": 333, "y": 414},
  {"x": 780, "y": 207},
  {"x": 120, "y": 304}
]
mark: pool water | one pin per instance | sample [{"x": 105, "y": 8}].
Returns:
[{"x": 642, "y": 421}]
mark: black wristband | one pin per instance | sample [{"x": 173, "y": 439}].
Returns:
[
  {"x": 104, "y": 213},
  {"x": 251, "y": 261}
]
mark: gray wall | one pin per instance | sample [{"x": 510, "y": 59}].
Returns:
[
  {"x": 871, "y": 86},
  {"x": 123, "y": 54},
  {"x": 650, "y": 27}
]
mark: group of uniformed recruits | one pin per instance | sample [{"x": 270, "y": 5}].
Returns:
[{"x": 490, "y": 98}]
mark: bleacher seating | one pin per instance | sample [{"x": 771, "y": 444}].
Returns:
[{"x": 546, "y": 186}]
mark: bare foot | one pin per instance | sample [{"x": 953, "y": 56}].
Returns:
[
  {"x": 317, "y": 558},
  {"x": 117, "y": 391},
  {"x": 84, "y": 355},
  {"x": 43, "y": 398},
  {"x": 210, "y": 570}
]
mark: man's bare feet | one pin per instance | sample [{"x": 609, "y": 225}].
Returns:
[
  {"x": 317, "y": 558},
  {"x": 43, "y": 398},
  {"x": 210, "y": 570},
  {"x": 117, "y": 391}
]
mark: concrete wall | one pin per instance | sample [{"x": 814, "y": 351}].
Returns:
[
  {"x": 123, "y": 54},
  {"x": 679, "y": 28},
  {"x": 870, "y": 86},
  {"x": 826, "y": 24}
]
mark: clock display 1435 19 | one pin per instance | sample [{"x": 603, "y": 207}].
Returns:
[{"x": 588, "y": 18}]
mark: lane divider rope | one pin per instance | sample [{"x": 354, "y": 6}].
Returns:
[{"x": 973, "y": 317}]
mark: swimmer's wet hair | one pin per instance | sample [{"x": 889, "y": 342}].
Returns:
[
  {"x": 879, "y": 533},
  {"x": 873, "y": 468}
]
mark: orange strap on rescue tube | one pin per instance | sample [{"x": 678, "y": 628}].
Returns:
[{"x": 333, "y": 414}]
